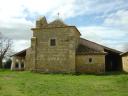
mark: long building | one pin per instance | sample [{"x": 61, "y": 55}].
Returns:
[{"x": 57, "y": 48}]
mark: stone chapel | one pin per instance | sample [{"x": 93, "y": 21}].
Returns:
[{"x": 58, "y": 48}]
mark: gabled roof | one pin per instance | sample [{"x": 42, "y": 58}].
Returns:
[
  {"x": 125, "y": 53},
  {"x": 21, "y": 53},
  {"x": 82, "y": 49},
  {"x": 97, "y": 46},
  {"x": 91, "y": 45}
]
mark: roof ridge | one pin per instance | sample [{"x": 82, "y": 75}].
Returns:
[{"x": 103, "y": 46}]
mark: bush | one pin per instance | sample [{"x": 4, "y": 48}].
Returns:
[{"x": 7, "y": 64}]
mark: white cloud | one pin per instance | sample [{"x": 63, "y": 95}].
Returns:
[
  {"x": 67, "y": 8},
  {"x": 13, "y": 22},
  {"x": 19, "y": 45},
  {"x": 15, "y": 8},
  {"x": 119, "y": 19},
  {"x": 16, "y": 28},
  {"x": 15, "y": 15},
  {"x": 104, "y": 35}
]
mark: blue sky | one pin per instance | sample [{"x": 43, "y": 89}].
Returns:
[{"x": 101, "y": 21}]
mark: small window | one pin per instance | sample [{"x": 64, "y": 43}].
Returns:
[
  {"x": 53, "y": 42},
  {"x": 90, "y": 60}
]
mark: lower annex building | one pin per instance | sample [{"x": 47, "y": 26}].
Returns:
[{"x": 58, "y": 48}]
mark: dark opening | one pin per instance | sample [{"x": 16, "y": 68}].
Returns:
[
  {"x": 22, "y": 65},
  {"x": 113, "y": 61},
  {"x": 53, "y": 42},
  {"x": 90, "y": 60},
  {"x": 16, "y": 65}
]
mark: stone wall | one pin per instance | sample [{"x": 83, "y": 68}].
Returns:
[
  {"x": 30, "y": 59},
  {"x": 125, "y": 62},
  {"x": 58, "y": 58},
  {"x": 90, "y": 63}
]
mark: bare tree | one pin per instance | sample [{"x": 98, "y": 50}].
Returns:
[{"x": 5, "y": 46}]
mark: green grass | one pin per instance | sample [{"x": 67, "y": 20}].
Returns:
[{"x": 14, "y": 83}]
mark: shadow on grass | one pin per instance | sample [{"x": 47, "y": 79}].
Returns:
[
  {"x": 111, "y": 73},
  {"x": 77, "y": 74},
  {"x": 2, "y": 70},
  {"x": 115, "y": 73}
]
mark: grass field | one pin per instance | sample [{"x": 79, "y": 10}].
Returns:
[{"x": 25, "y": 83}]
